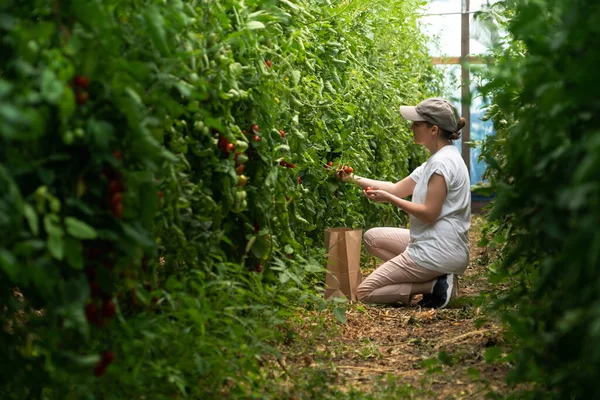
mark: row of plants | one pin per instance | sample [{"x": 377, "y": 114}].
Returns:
[
  {"x": 167, "y": 172},
  {"x": 542, "y": 165}
]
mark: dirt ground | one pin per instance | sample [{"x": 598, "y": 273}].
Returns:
[{"x": 438, "y": 353}]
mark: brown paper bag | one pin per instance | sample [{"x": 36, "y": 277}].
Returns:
[{"x": 343, "y": 262}]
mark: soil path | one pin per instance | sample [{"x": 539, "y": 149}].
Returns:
[{"x": 403, "y": 344}]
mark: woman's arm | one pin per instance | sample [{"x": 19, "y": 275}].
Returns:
[
  {"x": 403, "y": 188},
  {"x": 428, "y": 212}
]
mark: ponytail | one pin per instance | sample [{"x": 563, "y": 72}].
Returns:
[{"x": 456, "y": 135}]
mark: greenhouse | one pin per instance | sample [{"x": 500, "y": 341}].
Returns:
[{"x": 299, "y": 199}]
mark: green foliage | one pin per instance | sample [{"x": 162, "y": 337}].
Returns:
[
  {"x": 542, "y": 164},
  {"x": 164, "y": 181}
]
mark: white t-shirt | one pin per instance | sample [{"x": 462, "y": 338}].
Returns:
[{"x": 444, "y": 245}]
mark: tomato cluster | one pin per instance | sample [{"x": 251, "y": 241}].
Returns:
[{"x": 81, "y": 84}]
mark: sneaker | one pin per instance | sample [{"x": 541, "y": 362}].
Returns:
[
  {"x": 442, "y": 291},
  {"x": 425, "y": 301}
]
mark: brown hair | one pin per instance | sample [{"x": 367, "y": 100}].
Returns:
[{"x": 451, "y": 135}]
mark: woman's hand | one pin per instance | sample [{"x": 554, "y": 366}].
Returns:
[
  {"x": 344, "y": 176},
  {"x": 378, "y": 195}
]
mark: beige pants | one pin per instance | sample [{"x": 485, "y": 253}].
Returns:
[{"x": 399, "y": 277}]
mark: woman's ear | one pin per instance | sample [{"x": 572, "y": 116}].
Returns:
[{"x": 435, "y": 131}]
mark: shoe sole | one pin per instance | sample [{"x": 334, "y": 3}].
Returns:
[{"x": 448, "y": 292}]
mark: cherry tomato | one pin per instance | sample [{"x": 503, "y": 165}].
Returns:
[
  {"x": 108, "y": 357},
  {"x": 82, "y": 81},
  {"x": 108, "y": 309}
]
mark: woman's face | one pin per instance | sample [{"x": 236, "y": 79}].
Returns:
[{"x": 423, "y": 132}]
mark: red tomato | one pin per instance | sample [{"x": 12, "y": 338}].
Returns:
[
  {"x": 268, "y": 63},
  {"x": 82, "y": 81},
  {"x": 223, "y": 143},
  {"x": 108, "y": 357},
  {"x": 256, "y": 138},
  {"x": 95, "y": 289},
  {"x": 114, "y": 187},
  {"x": 108, "y": 309},
  {"x": 118, "y": 210},
  {"x": 100, "y": 369},
  {"x": 91, "y": 313},
  {"x": 255, "y": 128},
  {"x": 115, "y": 199},
  {"x": 282, "y": 133}
]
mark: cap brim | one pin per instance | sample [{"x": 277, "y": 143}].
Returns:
[{"x": 410, "y": 113}]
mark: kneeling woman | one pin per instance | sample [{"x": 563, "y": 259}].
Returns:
[{"x": 426, "y": 258}]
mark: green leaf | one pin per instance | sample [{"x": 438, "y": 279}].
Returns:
[
  {"x": 260, "y": 247},
  {"x": 492, "y": 354},
  {"x": 483, "y": 188},
  {"x": 473, "y": 373},
  {"x": 296, "y": 75},
  {"x": 74, "y": 252},
  {"x": 156, "y": 28},
  {"x": 138, "y": 235},
  {"x": 56, "y": 245},
  {"x": 32, "y": 219},
  {"x": 8, "y": 263},
  {"x": 340, "y": 314},
  {"x": 79, "y": 229},
  {"x": 271, "y": 177},
  {"x": 87, "y": 361},
  {"x": 51, "y": 87},
  {"x": 332, "y": 187},
  {"x": 66, "y": 105},
  {"x": 148, "y": 204},
  {"x": 101, "y": 132},
  {"x": 253, "y": 25},
  {"x": 250, "y": 243},
  {"x": 27, "y": 248}
]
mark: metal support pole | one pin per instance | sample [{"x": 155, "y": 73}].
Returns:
[{"x": 465, "y": 87}]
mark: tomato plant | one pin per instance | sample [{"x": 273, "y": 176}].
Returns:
[
  {"x": 542, "y": 169},
  {"x": 145, "y": 207}
]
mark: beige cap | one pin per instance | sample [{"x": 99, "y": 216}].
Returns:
[{"x": 436, "y": 111}]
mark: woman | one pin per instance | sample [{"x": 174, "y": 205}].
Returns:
[{"x": 426, "y": 258}]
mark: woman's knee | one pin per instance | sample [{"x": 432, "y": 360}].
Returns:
[
  {"x": 369, "y": 237},
  {"x": 363, "y": 291}
]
